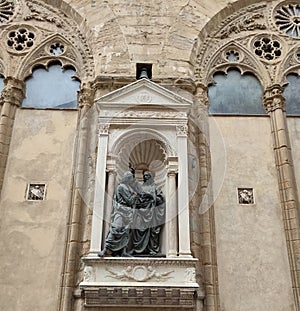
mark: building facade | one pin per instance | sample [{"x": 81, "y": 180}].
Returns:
[{"x": 205, "y": 96}]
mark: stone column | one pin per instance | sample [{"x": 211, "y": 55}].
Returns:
[
  {"x": 274, "y": 104},
  {"x": 207, "y": 217},
  {"x": 183, "y": 192},
  {"x": 75, "y": 223},
  {"x": 99, "y": 199},
  {"x": 109, "y": 199},
  {"x": 172, "y": 210},
  {"x": 12, "y": 96}
]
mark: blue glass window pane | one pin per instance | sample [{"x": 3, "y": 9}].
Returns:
[
  {"x": 234, "y": 93},
  {"x": 292, "y": 95},
  {"x": 52, "y": 88}
]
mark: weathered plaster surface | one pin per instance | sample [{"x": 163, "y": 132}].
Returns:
[
  {"x": 33, "y": 233},
  {"x": 251, "y": 248}
]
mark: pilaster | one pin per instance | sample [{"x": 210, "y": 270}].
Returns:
[
  {"x": 274, "y": 104},
  {"x": 207, "y": 217},
  {"x": 75, "y": 222},
  {"x": 11, "y": 98}
]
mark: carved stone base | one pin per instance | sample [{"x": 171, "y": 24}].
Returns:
[{"x": 143, "y": 282}]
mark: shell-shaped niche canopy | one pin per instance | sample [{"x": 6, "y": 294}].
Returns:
[{"x": 146, "y": 155}]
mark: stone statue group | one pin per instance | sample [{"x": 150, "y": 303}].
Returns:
[{"x": 137, "y": 218}]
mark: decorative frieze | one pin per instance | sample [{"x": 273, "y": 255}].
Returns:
[
  {"x": 135, "y": 297},
  {"x": 139, "y": 281}
]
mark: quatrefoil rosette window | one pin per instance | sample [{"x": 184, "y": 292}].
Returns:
[
  {"x": 232, "y": 55},
  {"x": 20, "y": 39},
  {"x": 268, "y": 48}
]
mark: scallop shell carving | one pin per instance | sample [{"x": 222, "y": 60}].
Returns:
[{"x": 145, "y": 155}]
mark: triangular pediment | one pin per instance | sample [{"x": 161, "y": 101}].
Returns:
[{"x": 144, "y": 92}]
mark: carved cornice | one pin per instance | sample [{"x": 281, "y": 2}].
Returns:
[
  {"x": 112, "y": 83},
  {"x": 273, "y": 98},
  {"x": 13, "y": 91}
]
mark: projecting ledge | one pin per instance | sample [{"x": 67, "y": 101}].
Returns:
[{"x": 114, "y": 281}]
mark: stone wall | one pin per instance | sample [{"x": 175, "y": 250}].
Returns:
[
  {"x": 251, "y": 249},
  {"x": 33, "y": 233}
]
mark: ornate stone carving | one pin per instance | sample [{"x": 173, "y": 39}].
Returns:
[
  {"x": 42, "y": 13},
  {"x": 6, "y": 10},
  {"x": 140, "y": 274},
  {"x": 190, "y": 275},
  {"x": 56, "y": 48},
  {"x": 20, "y": 39},
  {"x": 254, "y": 21},
  {"x": 36, "y": 192},
  {"x": 13, "y": 91},
  {"x": 120, "y": 296},
  {"x": 146, "y": 114},
  {"x": 89, "y": 274},
  {"x": 287, "y": 19},
  {"x": 86, "y": 95},
  {"x": 267, "y": 48},
  {"x": 182, "y": 130},
  {"x": 245, "y": 196},
  {"x": 103, "y": 129},
  {"x": 144, "y": 97},
  {"x": 274, "y": 99},
  {"x": 70, "y": 31}
]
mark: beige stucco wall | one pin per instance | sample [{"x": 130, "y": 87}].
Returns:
[
  {"x": 33, "y": 233},
  {"x": 251, "y": 249},
  {"x": 294, "y": 133}
]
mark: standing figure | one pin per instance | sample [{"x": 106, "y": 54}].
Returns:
[
  {"x": 124, "y": 201},
  {"x": 148, "y": 218}
]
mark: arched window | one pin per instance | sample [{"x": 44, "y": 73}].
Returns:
[
  {"x": 292, "y": 94},
  {"x": 234, "y": 93},
  {"x": 54, "y": 87}
]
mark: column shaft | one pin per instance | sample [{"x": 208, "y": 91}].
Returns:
[
  {"x": 99, "y": 200},
  {"x": 11, "y": 98},
  {"x": 183, "y": 193},
  {"x": 171, "y": 216},
  {"x": 274, "y": 104}
]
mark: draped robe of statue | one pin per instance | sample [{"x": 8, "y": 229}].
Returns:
[
  {"x": 148, "y": 218},
  {"x": 121, "y": 219}
]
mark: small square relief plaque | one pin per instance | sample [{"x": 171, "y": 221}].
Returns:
[
  {"x": 36, "y": 192},
  {"x": 245, "y": 196}
]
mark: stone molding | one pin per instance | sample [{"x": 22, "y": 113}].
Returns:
[{"x": 134, "y": 281}]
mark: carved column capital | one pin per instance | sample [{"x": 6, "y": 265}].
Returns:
[
  {"x": 86, "y": 95},
  {"x": 201, "y": 94},
  {"x": 181, "y": 130},
  {"x": 273, "y": 98},
  {"x": 103, "y": 129},
  {"x": 13, "y": 91}
]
